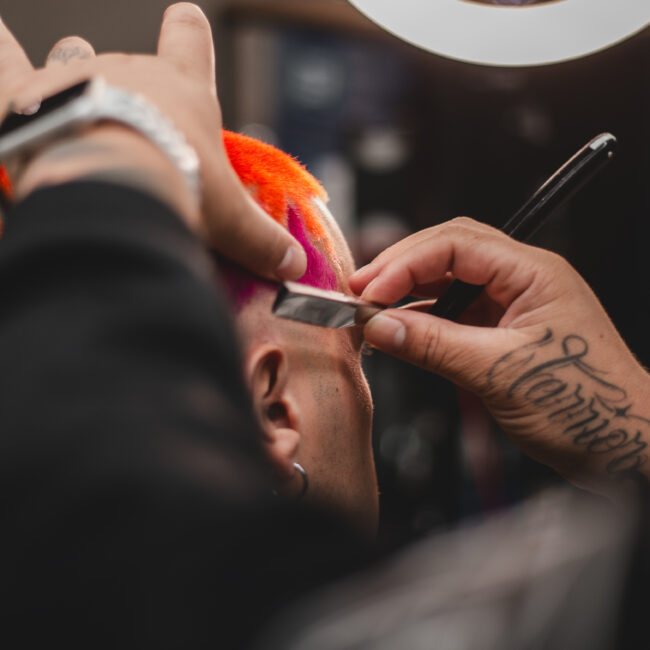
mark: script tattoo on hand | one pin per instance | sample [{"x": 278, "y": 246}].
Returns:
[{"x": 554, "y": 376}]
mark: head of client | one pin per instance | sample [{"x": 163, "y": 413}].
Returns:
[{"x": 310, "y": 395}]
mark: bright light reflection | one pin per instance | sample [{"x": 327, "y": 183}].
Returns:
[{"x": 510, "y": 32}]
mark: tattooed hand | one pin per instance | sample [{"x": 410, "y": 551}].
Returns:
[
  {"x": 180, "y": 81},
  {"x": 544, "y": 356}
]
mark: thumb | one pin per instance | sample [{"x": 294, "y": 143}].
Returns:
[
  {"x": 236, "y": 226},
  {"x": 461, "y": 353}
]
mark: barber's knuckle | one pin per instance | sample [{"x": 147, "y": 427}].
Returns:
[
  {"x": 428, "y": 349},
  {"x": 461, "y": 228},
  {"x": 556, "y": 260},
  {"x": 452, "y": 226},
  {"x": 463, "y": 222},
  {"x": 566, "y": 275},
  {"x": 554, "y": 264}
]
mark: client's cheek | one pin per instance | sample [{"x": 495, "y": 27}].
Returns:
[{"x": 362, "y": 400}]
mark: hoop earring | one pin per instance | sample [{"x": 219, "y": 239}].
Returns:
[{"x": 305, "y": 480}]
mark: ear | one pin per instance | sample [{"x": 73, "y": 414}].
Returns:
[{"x": 267, "y": 371}]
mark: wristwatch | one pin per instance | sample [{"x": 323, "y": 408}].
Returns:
[{"x": 91, "y": 101}]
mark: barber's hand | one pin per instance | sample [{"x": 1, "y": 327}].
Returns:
[
  {"x": 551, "y": 369},
  {"x": 180, "y": 81}
]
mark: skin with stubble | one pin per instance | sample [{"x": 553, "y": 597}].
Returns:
[{"x": 313, "y": 401}]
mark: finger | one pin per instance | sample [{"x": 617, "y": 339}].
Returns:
[
  {"x": 46, "y": 82},
  {"x": 244, "y": 233},
  {"x": 366, "y": 274},
  {"x": 186, "y": 39},
  {"x": 15, "y": 67},
  {"x": 461, "y": 353},
  {"x": 70, "y": 49},
  {"x": 470, "y": 226},
  {"x": 505, "y": 267}
]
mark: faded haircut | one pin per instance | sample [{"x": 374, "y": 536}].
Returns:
[{"x": 291, "y": 196}]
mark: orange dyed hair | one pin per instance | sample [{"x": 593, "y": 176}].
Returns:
[{"x": 278, "y": 181}]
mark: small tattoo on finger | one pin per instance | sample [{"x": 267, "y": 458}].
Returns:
[{"x": 64, "y": 54}]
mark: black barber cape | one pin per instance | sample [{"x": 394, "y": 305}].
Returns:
[{"x": 137, "y": 511}]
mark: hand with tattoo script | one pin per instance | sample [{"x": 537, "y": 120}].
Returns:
[
  {"x": 540, "y": 351},
  {"x": 180, "y": 81}
]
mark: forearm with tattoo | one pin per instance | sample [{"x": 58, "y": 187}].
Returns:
[{"x": 555, "y": 376}]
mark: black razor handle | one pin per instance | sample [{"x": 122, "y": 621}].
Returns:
[{"x": 563, "y": 184}]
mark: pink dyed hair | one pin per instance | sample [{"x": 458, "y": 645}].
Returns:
[{"x": 287, "y": 192}]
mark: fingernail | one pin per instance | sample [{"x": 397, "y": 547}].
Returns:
[
  {"x": 366, "y": 293},
  {"x": 385, "y": 332},
  {"x": 31, "y": 109},
  {"x": 293, "y": 264}
]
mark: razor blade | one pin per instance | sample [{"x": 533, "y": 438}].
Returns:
[{"x": 322, "y": 307}]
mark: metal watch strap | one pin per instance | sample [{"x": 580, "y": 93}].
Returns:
[
  {"x": 102, "y": 101},
  {"x": 135, "y": 111}
]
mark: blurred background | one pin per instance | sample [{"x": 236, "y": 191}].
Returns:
[{"x": 403, "y": 139}]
